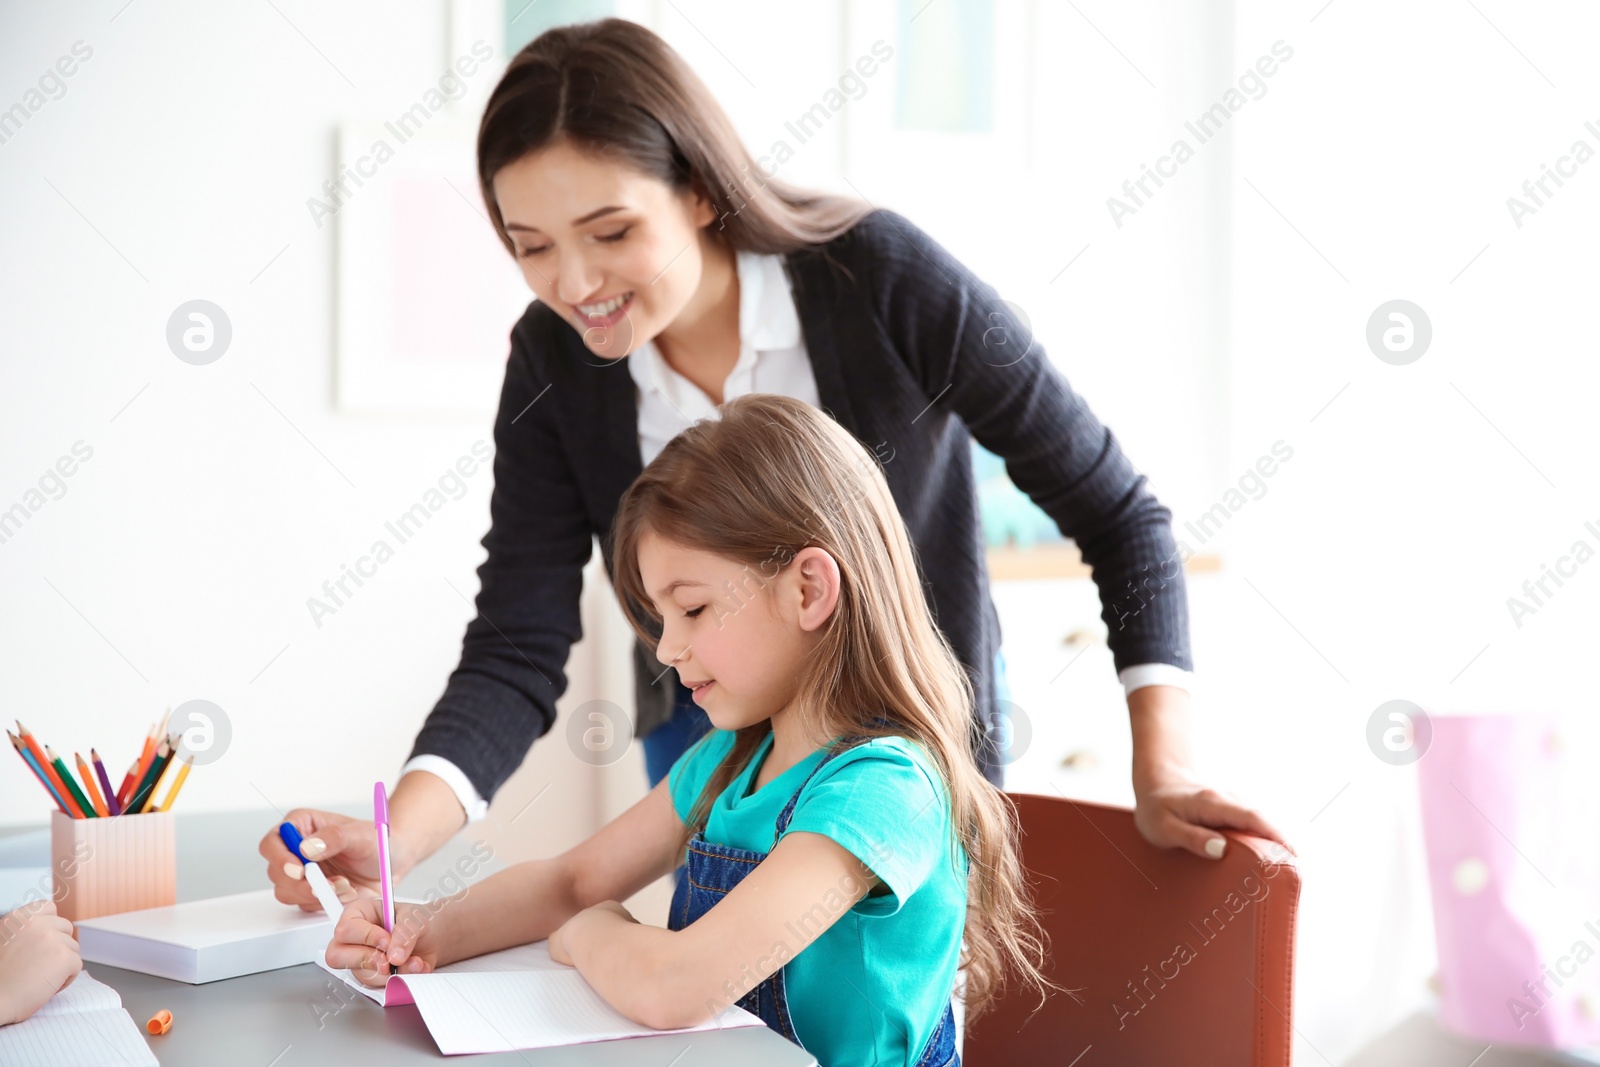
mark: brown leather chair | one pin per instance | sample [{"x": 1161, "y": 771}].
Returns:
[{"x": 1179, "y": 960}]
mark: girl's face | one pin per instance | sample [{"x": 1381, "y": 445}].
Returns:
[
  {"x": 615, "y": 252},
  {"x": 745, "y": 631}
]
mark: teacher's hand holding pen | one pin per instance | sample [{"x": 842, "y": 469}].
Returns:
[
  {"x": 423, "y": 814},
  {"x": 345, "y": 848}
]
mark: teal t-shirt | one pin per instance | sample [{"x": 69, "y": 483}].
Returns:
[{"x": 873, "y": 987}]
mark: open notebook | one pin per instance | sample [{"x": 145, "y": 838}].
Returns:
[
  {"x": 84, "y": 1023},
  {"x": 515, "y": 999}
]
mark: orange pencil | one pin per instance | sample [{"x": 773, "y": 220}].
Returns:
[
  {"x": 91, "y": 788},
  {"x": 150, "y": 741},
  {"x": 34, "y": 747}
]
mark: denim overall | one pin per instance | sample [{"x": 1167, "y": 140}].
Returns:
[{"x": 713, "y": 871}]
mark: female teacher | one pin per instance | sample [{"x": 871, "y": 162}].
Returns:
[{"x": 670, "y": 276}]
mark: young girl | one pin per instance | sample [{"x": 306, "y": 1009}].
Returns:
[{"x": 839, "y": 837}]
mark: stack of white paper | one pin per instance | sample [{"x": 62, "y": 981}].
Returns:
[
  {"x": 516, "y": 999},
  {"x": 207, "y": 940},
  {"x": 84, "y": 1023}
]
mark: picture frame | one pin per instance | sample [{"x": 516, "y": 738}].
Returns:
[{"x": 426, "y": 294}]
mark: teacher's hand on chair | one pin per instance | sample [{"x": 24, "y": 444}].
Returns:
[
  {"x": 1177, "y": 811},
  {"x": 345, "y": 848}
]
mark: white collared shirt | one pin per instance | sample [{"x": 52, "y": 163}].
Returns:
[{"x": 772, "y": 359}]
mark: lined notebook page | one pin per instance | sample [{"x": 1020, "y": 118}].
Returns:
[
  {"x": 503, "y": 1011},
  {"x": 534, "y": 957},
  {"x": 84, "y": 1023}
]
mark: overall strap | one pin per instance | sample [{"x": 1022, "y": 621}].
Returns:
[{"x": 788, "y": 809}]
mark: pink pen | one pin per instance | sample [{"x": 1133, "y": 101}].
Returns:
[{"x": 380, "y": 819}]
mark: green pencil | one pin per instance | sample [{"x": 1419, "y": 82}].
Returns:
[
  {"x": 72, "y": 786},
  {"x": 151, "y": 777}
]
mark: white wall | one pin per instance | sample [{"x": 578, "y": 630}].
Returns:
[
  {"x": 178, "y": 564},
  {"x": 218, "y": 498}
]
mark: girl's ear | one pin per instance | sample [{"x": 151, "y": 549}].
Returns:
[{"x": 816, "y": 576}]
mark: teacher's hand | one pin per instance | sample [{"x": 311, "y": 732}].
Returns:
[
  {"x": 346, "y": 849},
  {"x": 1174, "y": 810}
]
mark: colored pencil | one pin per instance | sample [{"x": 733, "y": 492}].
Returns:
[
  {"x": 177, "y": 784},
  {"x": 127, "y": 784},
  {"x": 141, "y": 796},
  {"x": 27, "y": 757},
  {"x": 105, "y": 783},
  {"x": 161, "y": 767},
  {"x": 91, "y": 788},
  {"x": 72, "y": 786},
  {"x": 96, "y": 799},
  {"x": 146, "y": 754},
  {"x": 50, "y": 772},
  {"x": 138, "y": 792}
]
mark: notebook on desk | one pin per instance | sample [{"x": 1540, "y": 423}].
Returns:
[
  {"x": 515, "y": 999},
  {"x": 84, "y": 1023},
  {"x": 207, "y": 940}
]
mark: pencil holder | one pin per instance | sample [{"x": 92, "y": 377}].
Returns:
[{"x": 110, "y": 865}]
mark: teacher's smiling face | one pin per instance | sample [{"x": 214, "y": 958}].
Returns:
[{"x": 617, "y": 253}]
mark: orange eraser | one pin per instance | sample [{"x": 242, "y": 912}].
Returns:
[{"x": 160, "y": 1022}]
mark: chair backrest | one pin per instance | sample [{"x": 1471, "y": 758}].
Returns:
[{"x": 1178, "y": 959}]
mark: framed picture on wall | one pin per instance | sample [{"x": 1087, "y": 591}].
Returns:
[
  {"x": 961, "y": 103},
  {"x": 426, "y": 294}
]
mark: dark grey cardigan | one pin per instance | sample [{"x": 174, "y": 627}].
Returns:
[{"x": 906, "y": 346}]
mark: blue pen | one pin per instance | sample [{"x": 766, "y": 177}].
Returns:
[{"x": 318, "y": 881}]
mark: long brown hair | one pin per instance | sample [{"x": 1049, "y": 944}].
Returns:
[
  {"x": 614, "y": 89},
  {"x": 772, "y": 476}
]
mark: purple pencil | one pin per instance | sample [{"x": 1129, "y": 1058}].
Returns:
[{"x": 105, "y": 783}]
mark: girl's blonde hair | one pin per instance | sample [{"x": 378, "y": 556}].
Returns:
[{"x": 771, "y": 477}]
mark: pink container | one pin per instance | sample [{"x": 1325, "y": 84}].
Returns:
[
  {"x": 110, "y": 865},
  {"x": 1508, "y": 816}
]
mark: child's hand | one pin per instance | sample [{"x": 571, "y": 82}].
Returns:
[
  {"x": 362, "y": 944},
  {"x": 560, "y": 944},
  {"x": 38, "y": 957}
]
